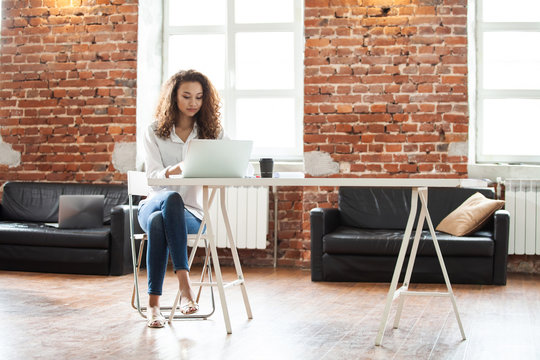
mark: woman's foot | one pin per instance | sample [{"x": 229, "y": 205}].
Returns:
[
  {"x": 190, "y": 307},
  {"x": 187, "y": 303},
  {"x": 154, "y": 318}
]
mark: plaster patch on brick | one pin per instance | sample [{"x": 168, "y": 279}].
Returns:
[
  {"x": 458, "y": 149},
  {"x": 345, "y": 168},
  {"x": 319, "y": 163},
  {"x": 9, "y": 156},
  {"x": 123, "y": 157}
]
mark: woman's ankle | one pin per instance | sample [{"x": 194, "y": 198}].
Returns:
[
  {"x": 184, "y": 282},
  {"x": 153, "y": 301},
  {"x": 187, "y": 292}
]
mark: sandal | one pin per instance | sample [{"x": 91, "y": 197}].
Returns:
[
  {"x": 155, "y": 321},
  {"x": 190, "y": 308}
]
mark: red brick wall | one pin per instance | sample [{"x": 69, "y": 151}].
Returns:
[
  {"x": 386, "y": 85},
  {"x": 68, "y": 87},
  {"x": 385, "y": 94}
]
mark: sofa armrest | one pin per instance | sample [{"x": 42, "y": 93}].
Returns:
[
  {"x": 121, "y": 261},
  {"x": 323, "y": 221},
  {"x": 501, "y": 231}
]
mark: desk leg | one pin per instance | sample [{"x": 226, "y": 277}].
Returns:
[
  {"x": 423, "y": 199},
  {"x": 410, "y": 265},
  {"x": 421, "y": 193},
  {"x": 234, "y": 252},
  {"x": 201, "y": 228},
  {"x": 399, "y": 264},
  {"x": 274, "y": 191},
  {"x": 215, "y": 260}
]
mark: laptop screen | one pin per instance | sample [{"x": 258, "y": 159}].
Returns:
[
  {"x": 80, "y": 211},
  {"x": 217, "y": 158}
]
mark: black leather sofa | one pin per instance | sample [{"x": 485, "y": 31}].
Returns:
[
  {"x": 360, "y": 241},
  {"x": 27, "y": 244}
]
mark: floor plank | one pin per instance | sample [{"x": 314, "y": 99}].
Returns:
[{"x": 47, "y": 316}]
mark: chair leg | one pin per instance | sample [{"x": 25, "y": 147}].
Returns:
[
  {"x": 206, "y": 268},
  {"x": 135, "y": 295},
  {"x": 137, "y": 269}
]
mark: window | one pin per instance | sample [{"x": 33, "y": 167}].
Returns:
[
  {"x": 252, "y": 51},
  {"x": 508, "y": 81}
]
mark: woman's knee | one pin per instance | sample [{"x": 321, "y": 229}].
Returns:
[
  {"x": 155, "y": 221},
  {"x": 172, "y": 198}
]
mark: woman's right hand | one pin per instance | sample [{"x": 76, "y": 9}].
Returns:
[{"x": 175, "y": 169}]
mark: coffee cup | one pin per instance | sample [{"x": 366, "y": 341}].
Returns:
[{"x": 267, "y": 167}]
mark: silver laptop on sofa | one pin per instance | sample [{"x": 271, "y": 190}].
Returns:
[{"x": 79, "y": 212}]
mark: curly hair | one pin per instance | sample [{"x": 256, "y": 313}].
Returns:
[{"x": 207, "y": 118}]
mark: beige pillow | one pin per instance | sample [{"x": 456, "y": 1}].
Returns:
[{"x": 470, "y": 215}]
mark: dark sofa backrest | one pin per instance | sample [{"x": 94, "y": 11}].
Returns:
[
  {"x": 388, "y": 208},
  {"x": 35, "y": 201}
]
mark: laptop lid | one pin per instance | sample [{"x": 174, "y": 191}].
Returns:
[
  {"x": 217, "y": 158},
  {"x": 80, "y": 211}
]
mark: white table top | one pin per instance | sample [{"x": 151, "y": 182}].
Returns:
[{"x": 283, "y": 181}]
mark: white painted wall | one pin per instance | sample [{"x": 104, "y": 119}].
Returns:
[{"x": 149, "y": 67}]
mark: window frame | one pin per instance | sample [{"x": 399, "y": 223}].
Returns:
[
  {"x": 482, "y": 94},
  {"x": 230, "y": 94}
]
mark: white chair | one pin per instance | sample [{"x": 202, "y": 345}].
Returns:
[{"x": 137, "y": 186}]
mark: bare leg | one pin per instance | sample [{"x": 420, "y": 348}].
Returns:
[
  {"x": 153, "y": 301},
  {"x": 187, "y": 304},
  {"x": 154, "y": 314},
  {"x": 153, "y": 305}
]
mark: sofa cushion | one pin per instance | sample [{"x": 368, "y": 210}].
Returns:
[
  {"x": 35, "y": 201},
  {"x": 54, "y": 259},
  {"x": 388, "y": 208},
  {"x": 349, "y": 240},
  {"x": 38, "y": 234},
  {"x": 461, "y": 270},
  {"x": 470, "y": 215}
]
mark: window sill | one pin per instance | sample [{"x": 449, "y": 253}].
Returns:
[
  {"x": 503, "y": 171},
  {"x": 282, "y": 166}
]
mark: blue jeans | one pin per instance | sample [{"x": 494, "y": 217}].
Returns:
[{"x": 167, "y": 223}]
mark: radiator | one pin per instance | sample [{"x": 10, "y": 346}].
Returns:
[
  {"x": 247, "y": 208},
  {"x": 523, "y": 203}
]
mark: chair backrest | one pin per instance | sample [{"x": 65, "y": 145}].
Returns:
[
  {"x": 388, "y": 208},
  {"x": 138, "y": 183}
]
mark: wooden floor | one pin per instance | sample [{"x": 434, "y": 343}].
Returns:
[{"x": 52, "y": 316}]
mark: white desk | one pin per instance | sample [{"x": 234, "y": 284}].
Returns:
[
  {"x": 418, "y": 190},
  {"x": 363, "y": 182}
]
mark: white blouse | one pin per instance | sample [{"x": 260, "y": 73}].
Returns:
[{"x": 161, "y": 154}]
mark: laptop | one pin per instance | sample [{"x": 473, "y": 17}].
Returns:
[
  {"x": 217, "y": 158},
  {"x": 79, "y": 212}
]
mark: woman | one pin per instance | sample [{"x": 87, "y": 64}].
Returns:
[{"x": 188, "y": 108}]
